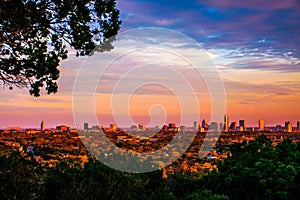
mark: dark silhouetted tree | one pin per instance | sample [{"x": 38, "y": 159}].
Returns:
[{"x": 34, "y": 36}]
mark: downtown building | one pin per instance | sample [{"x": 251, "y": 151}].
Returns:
[
  {"x": 261, "y": 125},
  {"x": 226, "y": 123},
  {"x": 288, "y": 126}
]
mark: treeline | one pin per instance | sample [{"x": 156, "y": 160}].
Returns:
[{"x": 256, "y": 170}]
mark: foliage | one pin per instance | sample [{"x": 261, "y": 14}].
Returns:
[
  {"x": 19, "y": 177},
  {"x": 204, "y": 195},
  {"x": 34, "y": 36},
  {"x": 258, "y": 170}
]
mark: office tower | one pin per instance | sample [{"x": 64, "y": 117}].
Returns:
[
  {"x": 261, "y": 125},
  {"x": 226, "y": 123},
  {"x": 141, "y": 127},
  {"x": 288, "y": 127},
  {"x": 113, "y": 127},
  {"x": 42, "y": 126},
  {"x": 86, "y": 126},
  {"x": 278, "y": 128},
  {"x": 233, "y": 126},
  {"x": 62, "y": 128},
  {"x": 240, "y": 128},
  {"x": 221, "y": 125},
  {"x": 214, "y": 127},
  {"x": 172, "y": 126},
  {"x": 242, "y": 123},
  {"x": 204, "y": 124},
  {"x": 183, "y": 128},
  {"x": 196, "y": 125},
  {"x": 298, "y": 126},
  {"x": 97, "y": 127},
  {"x": 134, "y": 128}
]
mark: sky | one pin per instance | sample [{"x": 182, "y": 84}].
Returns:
[{"x": 254, "y": 45}]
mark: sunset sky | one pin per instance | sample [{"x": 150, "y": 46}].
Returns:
[{"x": 254, "y": 45}]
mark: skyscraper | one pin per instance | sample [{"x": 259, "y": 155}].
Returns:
[
  {"x": 298, "y": 126},
  {"x": 242, "y": 123},
  {"x": 141, "y": 127},
  {"x": 196, "y": 125},
  {"x": 221, "y": 125},
  {"x": 86, "y": 126},
  {"x": 278, "y": 128},
  {"x": 214, "y": 127},
  {"x": 226, "y": 123},
  {"x": 261, "y": 124},
  {"x": 204, "y": 124},
  {"x": 42, "y": 126},
  {"x": 288, "y": 127},
  {"x": 233, "y": 126},
  {"x": 172, "y": 126},
  {"x": 113, "y": 127}
]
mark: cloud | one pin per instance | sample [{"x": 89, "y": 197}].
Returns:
[
  {"x": 223, "y": 24},
  {"x": 164, "y": 22},
  {"x": 263, "y": 91},
  {"x": 253, "y": 4}
]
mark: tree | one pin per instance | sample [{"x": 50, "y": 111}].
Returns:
[
  {"x": 19, "y": 177},
  {"x": 34, "y": 36},
  {"x": 257, "y": 170}
]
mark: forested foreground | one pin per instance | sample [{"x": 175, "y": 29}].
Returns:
[{"x": 256, "y": 170}]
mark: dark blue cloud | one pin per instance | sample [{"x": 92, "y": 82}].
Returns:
[{"x": 222, "y": 24}]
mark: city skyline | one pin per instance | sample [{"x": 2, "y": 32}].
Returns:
[
  {"x": 254, "y": 45},
  {"x": 288, "y": 125}
]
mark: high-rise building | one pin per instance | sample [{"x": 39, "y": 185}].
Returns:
[
  {"x": 134, "y": 127},
  {"x": 165, "y": 128},
  {"x": 42, "y": 126},
  {"x": 261, "y": 124},
  {"x": 113, "y": 127},
  {"x": 172, "y": 126},
  {"x": 233, "y": 126},
  {"x": 196, "y": 125},
  {"x": 288, "y": 127},
  {"x": 204, "y": 124},
  {"x": 240, "y": 128},
  {"x": 298, "y": 126},
  {"x": 97, "y": 127},
  {"x": 226, "y": 123},
  {"x": 183, "y": 128},
  {"x": 278, "y": 128},
  {"x": 86, "y": 126},
  {"x": 62, "y": 128},
  {"x": 221, "y": 125},
  {"x": 214, "y": 127},
  {"x": 141, "y": 127},
  {"x": 242, "y": 123}
]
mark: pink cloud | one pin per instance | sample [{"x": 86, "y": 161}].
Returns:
[
  {"x": 164, "y": 22},
  {"x": 254, "y": 4}
]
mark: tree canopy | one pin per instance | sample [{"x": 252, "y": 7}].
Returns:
[
  {"x": 35, "y": 34},
  {"x": 254, "y": 170},
  {"x": 258, "y": 170}
]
